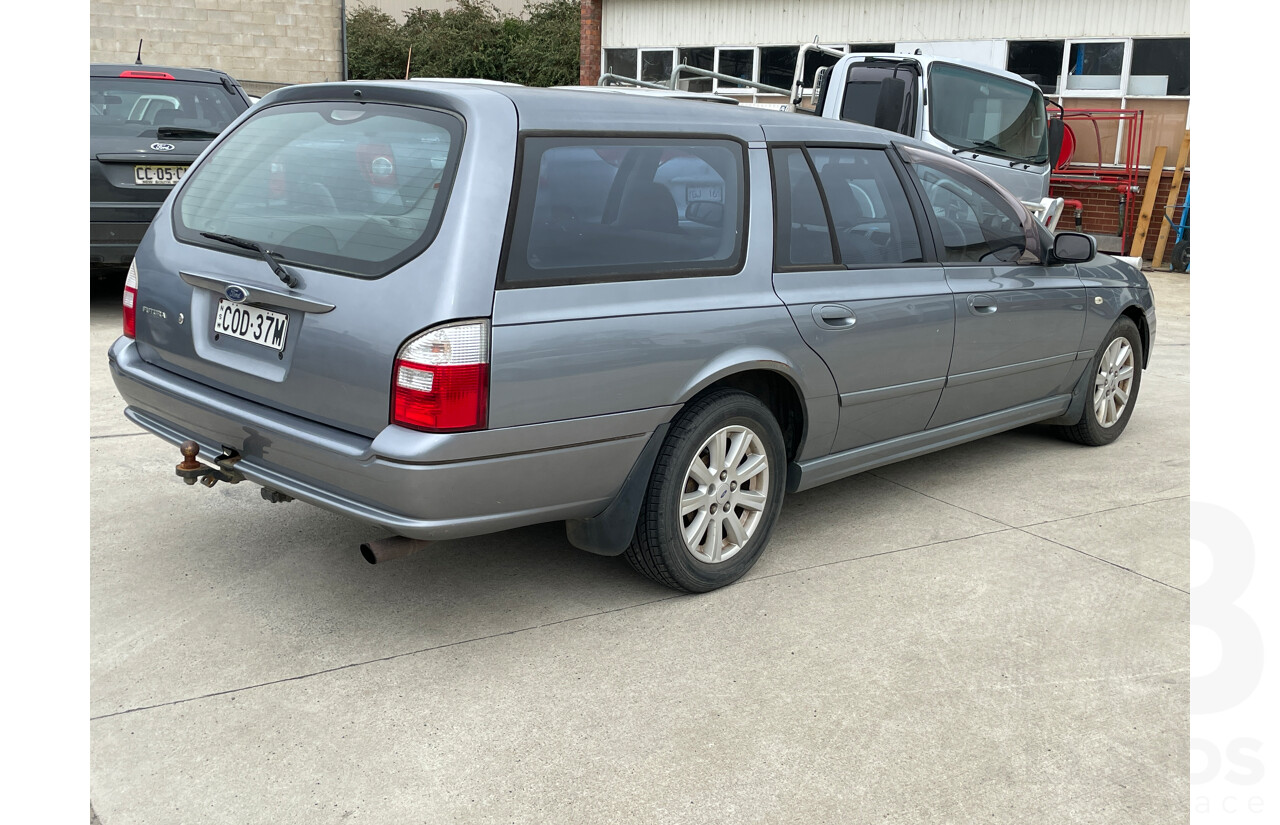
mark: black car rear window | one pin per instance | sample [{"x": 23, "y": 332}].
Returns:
[
  {"x": 354, "y": 188},
  {"x": 595, "y": 209},
  {"x": 137, "y": 107}
]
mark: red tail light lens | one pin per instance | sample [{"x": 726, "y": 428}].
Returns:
[
  {"x": 441, "y": 381},
  {"x": 131, "y": 300}
]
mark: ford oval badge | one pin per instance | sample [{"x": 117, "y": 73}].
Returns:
[
  {"x": 235, "y": 294},
  {"x": 162, "y": 147}
]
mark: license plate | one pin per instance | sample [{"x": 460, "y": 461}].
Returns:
[
  {"x": 259, "y": 326},
  {"x": 158, "y": 175}
]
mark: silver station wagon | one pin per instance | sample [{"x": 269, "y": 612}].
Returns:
[{"x": 445, "y": 309}]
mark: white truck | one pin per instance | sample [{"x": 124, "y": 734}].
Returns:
[{"x": 991, "y": 119}]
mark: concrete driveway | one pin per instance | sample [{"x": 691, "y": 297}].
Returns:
[{"x": 995, "y": 633}]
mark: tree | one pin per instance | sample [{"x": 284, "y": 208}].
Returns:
[
  {"x": 471, "y": 39},
  {"x": 547, "y": 55},
  {"x": 376, "y": 46}
]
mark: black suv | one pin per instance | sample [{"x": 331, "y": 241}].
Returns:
[{"x": 146, "y": 125}]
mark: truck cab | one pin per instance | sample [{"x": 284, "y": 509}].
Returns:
[{"x": 988, "y": 118}]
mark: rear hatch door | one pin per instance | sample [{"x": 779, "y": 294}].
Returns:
[{"x": 387, "y": 218}]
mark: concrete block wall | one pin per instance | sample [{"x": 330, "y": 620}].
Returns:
[{"x": 262, "y": 43}]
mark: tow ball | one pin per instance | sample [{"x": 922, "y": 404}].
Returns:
[{"x": 190, "y": 470}]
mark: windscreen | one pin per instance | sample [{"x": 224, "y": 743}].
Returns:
[
  {"x": 989, "y": 114},
  {"x": 355, "y": 188},
  {"x": 134, "y": 107}
]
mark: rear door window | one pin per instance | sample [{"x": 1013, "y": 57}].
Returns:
[
  {"x": 869, "y": 210},
  {"x": 348, "y": 187},
  {"x": 595, "y": 209}
]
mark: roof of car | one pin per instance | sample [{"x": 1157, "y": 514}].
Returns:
[
  {"x": 583, "y": 110},
  {"x": 177, "y": 72}
]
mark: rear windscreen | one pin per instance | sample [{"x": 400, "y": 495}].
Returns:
[
  {"x": 136, "y": 107},
  {"x": 357, "y": 188}
]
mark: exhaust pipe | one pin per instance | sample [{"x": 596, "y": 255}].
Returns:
[{"x": 393, "y": 547}]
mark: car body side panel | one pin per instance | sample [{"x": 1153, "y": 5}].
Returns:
[
  {"x": 599, "y": 348},
  {"x": 1018, "y": 332},
  {"x": 890, "y": 364},
  {"x": 1119, "y": 286}
]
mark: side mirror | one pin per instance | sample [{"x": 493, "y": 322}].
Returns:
[{"x": 1074, "y": 248}]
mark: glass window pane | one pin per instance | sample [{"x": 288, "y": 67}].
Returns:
[
  {"x": 1161, "y": 67},
  {"x": 359, "y": 188},
  {"x": 621, "y": 62},
  {"x": 778, "y": 65},
  {"x": 1039, "y": 61},
  {"x": 869, "y": 209},
  {"x": 607, "y": 209},
  {"x": 976, "y": 110},
  {"x": 978, "y": 224},
  {"x": 738, "y": 63},
  {"x": 703, "y": 57},
  {"x": 1095, "y": 66},
  {"x": 802, "y": 235},
  {"x": 656, "y": 65}
]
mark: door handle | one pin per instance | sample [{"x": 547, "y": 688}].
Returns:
[
  {"x": 834, "y": 316},
  {"x": 982, "y": 304}
]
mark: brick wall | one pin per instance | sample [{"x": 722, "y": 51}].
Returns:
[
  {"x": 268, "y": 41},
  {"x": 1102, "y": 213},
  {"x": 589, "y": 44}
]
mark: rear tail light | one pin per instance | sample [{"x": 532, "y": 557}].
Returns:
[
  {"x": 131, "y": 299},
  {"x": 147, "y": 75},
  {"x": 441, "y": 381}
]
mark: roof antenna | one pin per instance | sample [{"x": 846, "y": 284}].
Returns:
[{"x": 138, "y": 62}]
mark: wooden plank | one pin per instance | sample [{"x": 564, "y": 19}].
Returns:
[
  {"x": 1148, "y": 202},
  {"x": 1171, "y": 205}
]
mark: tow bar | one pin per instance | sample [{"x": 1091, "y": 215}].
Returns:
[{"x": 190, "y": 470}]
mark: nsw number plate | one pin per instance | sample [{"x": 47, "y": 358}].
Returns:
[
  {"x": 157, "y": 175},
  {"x": 261, "y": 326}
]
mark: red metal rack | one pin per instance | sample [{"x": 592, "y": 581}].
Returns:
[{"x": 1071, "y": 177}]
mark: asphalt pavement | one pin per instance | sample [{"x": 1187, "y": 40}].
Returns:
[{"x": 994, "y": 633}]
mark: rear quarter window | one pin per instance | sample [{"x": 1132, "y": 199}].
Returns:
[
  {"x": 353, "y": 188},
  {"x": 598, "y": 209}
]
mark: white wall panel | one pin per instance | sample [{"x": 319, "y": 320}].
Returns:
[{"x": 726, "y": 22}]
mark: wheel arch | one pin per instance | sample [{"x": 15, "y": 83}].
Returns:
[
  {"x": 772, "y": 381},
  {"x": 1134, "y": 313}
]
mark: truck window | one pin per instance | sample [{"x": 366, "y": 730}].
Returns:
[
  {"x": 882, "y": 93},
  {"x": 969, "y": 109}
]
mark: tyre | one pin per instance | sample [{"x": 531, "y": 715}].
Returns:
[
  {"x": 1180, "y": 261},
  {"x": 714, "y": 495},
  {"x": 1117, "y": 375}
]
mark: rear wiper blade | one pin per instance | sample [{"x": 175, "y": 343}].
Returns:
[
  {"x": 184, "y": 132},
  {"x": 267, "y": 255}
]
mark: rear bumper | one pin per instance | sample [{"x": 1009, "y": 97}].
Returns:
[
  {"x": 480, "y": 484},
  {"x": 116, "y": 230}
]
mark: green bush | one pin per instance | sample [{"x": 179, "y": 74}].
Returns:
[{"x": 471, "y": 39}]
